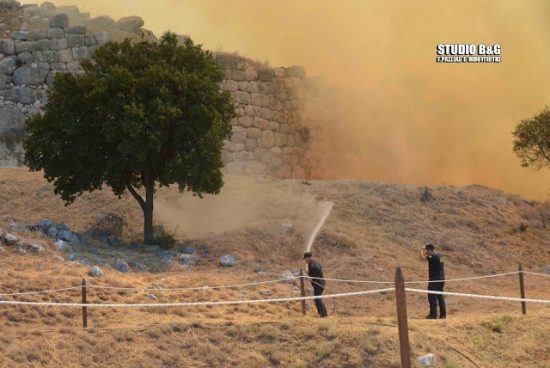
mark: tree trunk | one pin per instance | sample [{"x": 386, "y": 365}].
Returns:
[{"x": 148, "y": 209}]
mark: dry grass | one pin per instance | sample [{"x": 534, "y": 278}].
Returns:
[{"x": 372, "y": 229}]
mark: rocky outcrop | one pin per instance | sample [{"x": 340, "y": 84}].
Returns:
[{"x": 270, "y": 137}]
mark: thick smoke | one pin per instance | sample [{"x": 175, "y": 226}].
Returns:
[{"x": 399, "y": 116}]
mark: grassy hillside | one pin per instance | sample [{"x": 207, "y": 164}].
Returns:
[{"x": 372, "y": 229}]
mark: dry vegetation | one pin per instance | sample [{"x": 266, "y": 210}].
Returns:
[{"x": 372, "y": 229}]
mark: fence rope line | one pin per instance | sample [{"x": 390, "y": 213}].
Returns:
[
  {"x": 479, "y": 296},
  {"x": 192, "y": 304},
  {"x": 536, "y": 273},
  {"x": 286, "y": 280},
  {"x": 206, "y": 287},
  {"x": 42, "y": 291},
  {"x": 419, "y": 282}
]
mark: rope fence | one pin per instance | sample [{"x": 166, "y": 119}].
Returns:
[{"x": 398, "y": 287}]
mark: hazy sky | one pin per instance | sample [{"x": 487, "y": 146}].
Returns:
[{"x": 401, "y": 116}]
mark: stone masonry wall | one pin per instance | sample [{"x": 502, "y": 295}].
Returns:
[{"x": 270, "y": 137}]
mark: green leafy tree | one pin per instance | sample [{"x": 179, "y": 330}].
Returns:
[
  {"x": 140, "y": 117},
  {"x": 532, "y": 141}
]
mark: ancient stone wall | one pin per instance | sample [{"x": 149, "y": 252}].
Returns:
[{"x": 269, "y": 137}]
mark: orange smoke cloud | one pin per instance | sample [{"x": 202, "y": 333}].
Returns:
[{"x": 399, "y": 115}]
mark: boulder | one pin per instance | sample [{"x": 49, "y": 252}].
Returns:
[
  {"x": 59, "y": 21},
  {"x": 36, "y": 248},
  {"x": 427, "y": 360},
  {"x": 68, "y": 236},
  {"x": 150, "y": 296},
  {"x": 266, "y": 292},
  {"x": 95, "y": 271},
  {"x": 44, "y": 225},
  {"x": 109, "y": 224},
  {"x": 228, "y": 261},
  {"x": 546, "y": 269},
  {"x": 188, "y": 249},
  {"x": 188, "y": 260},
  {"x": 11, "y": 239},
  {"x": 61, "y": 245},
  {"x": 122, "y": 266},
  {"x": 101, "y": 37},
  {"x": 52, "y": 232},
  {"x": 21, "y": 249},
  {"x": 130, "y": 24},
  {"x": 289, "y": 276}
]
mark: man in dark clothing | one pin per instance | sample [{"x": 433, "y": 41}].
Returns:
[
  {"x": 436, "y": 271},
  {"x": 315, "y": 271}
]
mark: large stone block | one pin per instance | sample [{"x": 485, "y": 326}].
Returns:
[
  {"x": 43, "y": 45},
  {"x": 37, "y": 35},
  {"x": 267, "y": 139},
  {"x": 231, "y": 86},
  {"x": 33, "y": 74},
  {"x": 295, "y": 71},
  {"x": 59, "y": 44},
  {"x": 9, "y": 4},
  {"x": 56, "y": 33},
  {"x": 4, "y": 80},
  {"x": 64, "y": 56},
  {"x": 76, "y": 40},
  {"x": 25, "y": 57},
  {"x": 233, "y": 147},
  {"x": 77, "y": 30},
  {"x": 246, "y": 121},
  {"x": 298, "y": 173},
  {"x": 101, "y": 37},
  {"x": 81, "y": 53},
  {"x": 130, "y": 24},
  {"x": 253, "y": 133},
  {"x": 8, "y": 65},
  {"x": 103, "y": 21},
  {"x": 284, "y": 171},
  {"x": 20, "y": 35},
  {"x": 74, "y": 66},
  {"x": 261, "y": 123},
  {"x": 280, "y": 139},
  {"x": 11, "y": 118},
  {"x": 251, "y": 144},
  {"x": 251, "y": 110},
  {"x": 90, "y": 40},
  {"x": 7, "y": 46},
  {"x": 242, "y": 97},
  {"x": 59, "y": 21},
  {"x": 238, "y": 134},
  {"x": 24, "y": 95},
  {"x": 25, "y": 46}
]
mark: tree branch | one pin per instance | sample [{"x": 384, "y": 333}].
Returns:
[{"x": 136, "y": 195}]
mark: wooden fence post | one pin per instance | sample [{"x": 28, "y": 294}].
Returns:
[
  {"x": 522, "y": 290},
  {"x": 84, "y": 309},
  {"x": 302, "y": 291},
  {"x": 401, "y": 302}
]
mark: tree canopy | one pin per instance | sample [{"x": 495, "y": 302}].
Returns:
[
  {"x": 532, "y": 140},
  {"x": 141, "y": 116}
]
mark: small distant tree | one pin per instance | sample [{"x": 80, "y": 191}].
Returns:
[
  {"x": 532, "y": 141},
  {"x": 141, "y": 116}
]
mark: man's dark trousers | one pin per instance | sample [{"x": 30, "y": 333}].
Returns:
[
  {"x": 318, "y": 290},
  {"x": 434, "y": 299}
]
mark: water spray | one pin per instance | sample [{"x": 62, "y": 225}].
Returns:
[{"x": 325, "y": 213}]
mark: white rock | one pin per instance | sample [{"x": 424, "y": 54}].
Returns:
[{"x": 427, "y": 360}]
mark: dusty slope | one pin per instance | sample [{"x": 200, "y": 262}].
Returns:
[{"x": 372, "y": 229}]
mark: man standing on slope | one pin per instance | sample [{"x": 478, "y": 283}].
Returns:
[
  {"x": 315, "y": 271},
  {"x": 436, "y": 271}
]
